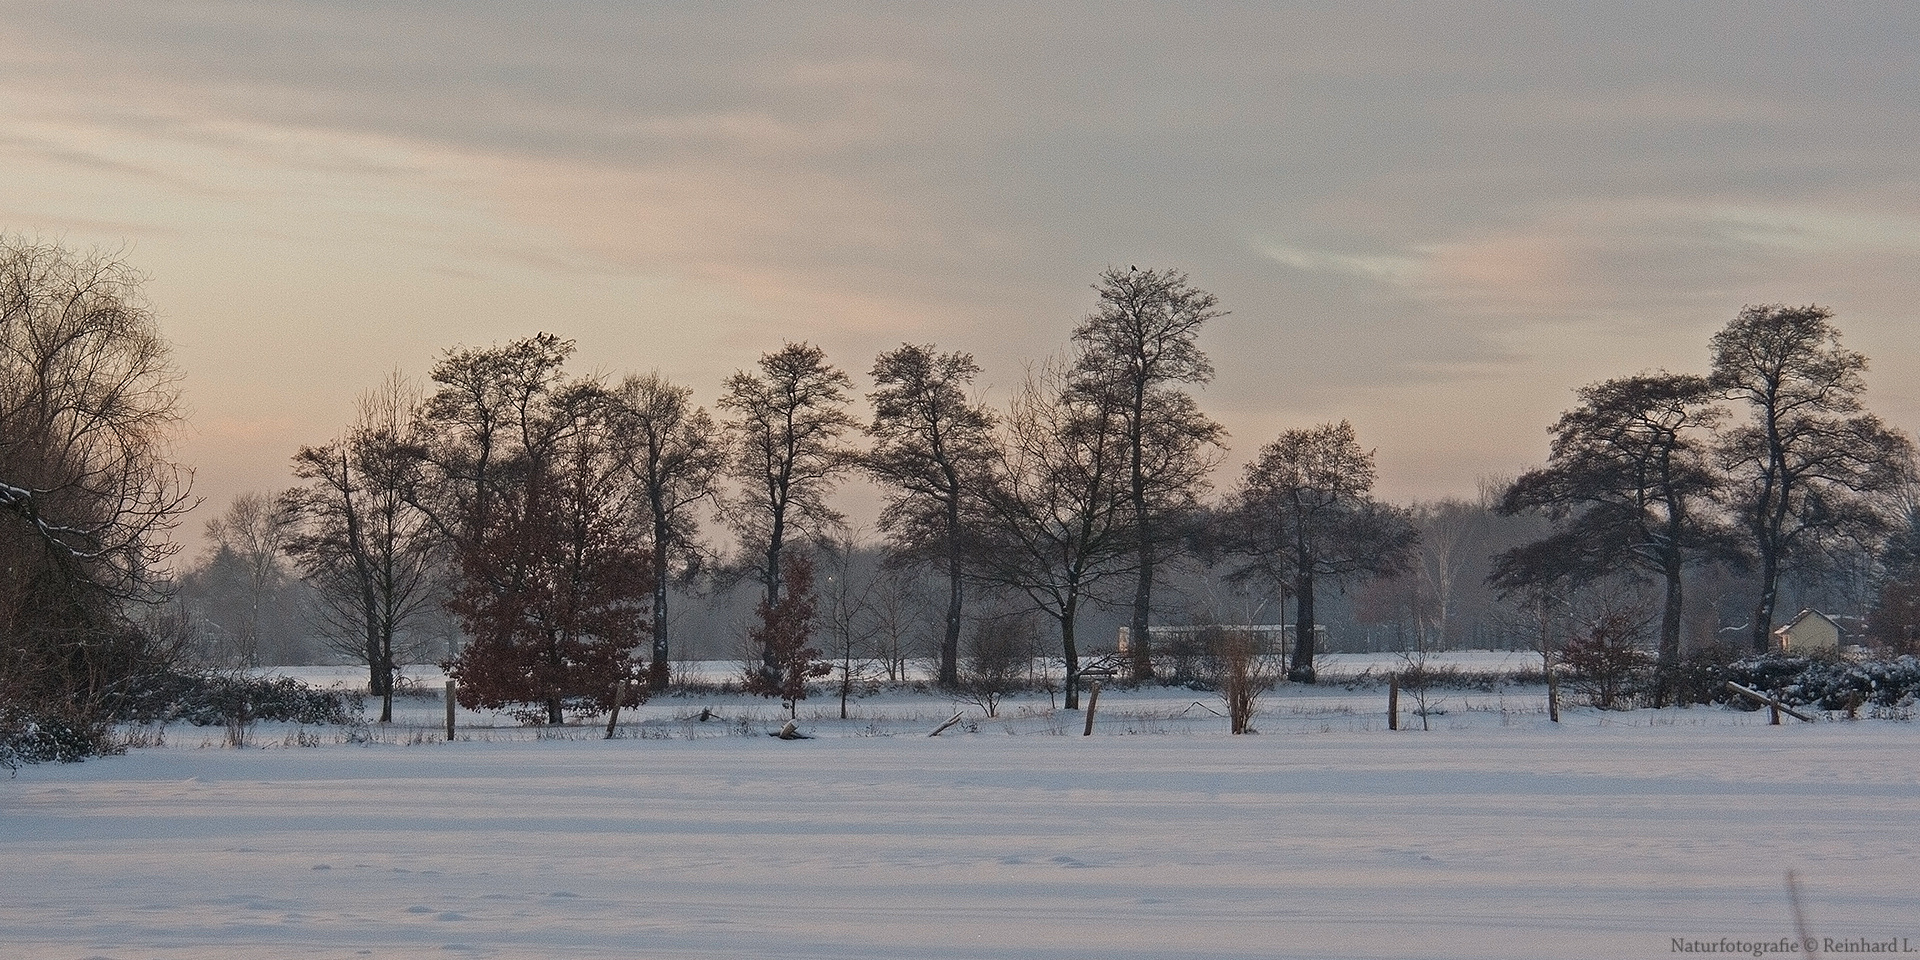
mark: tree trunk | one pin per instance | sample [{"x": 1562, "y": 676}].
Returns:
[
  {"x": 1071, "y": 654},
  {"x": 1667, "y": 666},
  {"x": 619, "y": 696},
  {"x": 1137, "y": 638},
  {"x": 657, "y": 669},
  {"x": 386, "y": 691},
  {"x": 1141, "y": 643},
  {"x": 950, "y": 641},
  {"x": 1303, "y": 641},
  {"x": 1769, "y": 595},
  {"x": 769, "y": 660},
  {"x": 554, "y": 716}
]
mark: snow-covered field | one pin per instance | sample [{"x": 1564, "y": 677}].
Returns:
[{"x": 1496, "y": 834}]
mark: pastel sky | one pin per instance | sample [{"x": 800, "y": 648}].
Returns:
[{"x": 1432, "y": 219}]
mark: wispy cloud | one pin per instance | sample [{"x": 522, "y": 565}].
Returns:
[
  {"x": 1403, "y": 207},
  {"x": 1398, "y": 270}
]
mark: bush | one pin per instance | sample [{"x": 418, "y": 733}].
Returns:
[
  {"x": 998, "y": 655},
  {"x": 235, "y": 701},
  {"x": 1242, "y": 672},
  {"x": 26, "y": 738},
  {"x": 1608, "y": 663},
  {"x": 214, "y": 699},
  {"x": 1827, "y": 683},
  {"x": 1701, "y": 675}
]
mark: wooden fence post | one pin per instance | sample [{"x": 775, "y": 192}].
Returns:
[
  {"x": 1093, "y": 700},
  {"x": 450, "y": 688},
  {"x": 1393, "y": 701}
]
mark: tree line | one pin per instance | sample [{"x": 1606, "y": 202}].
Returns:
[{"x": 550, "y": 519}]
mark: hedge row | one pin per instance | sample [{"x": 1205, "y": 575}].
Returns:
[{"x": 1829, "y": 684}]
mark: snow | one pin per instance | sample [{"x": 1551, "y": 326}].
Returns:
[{"x": 1496, "y": 834}]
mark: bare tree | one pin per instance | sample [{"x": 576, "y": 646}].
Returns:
[
  {"x": 88, "y": 403},
  {"x": 903, "y": 619},
  {"x": 847, "y": 584},
  {"x": 932, "y": 448},
  {"x": 497, "y": 415},
  {"x": 1307, "y": 515},
  {"x": 1055, "y": 522},
  {"x": 1242, "y": 672},
  {"x": 1141, "y": 343},
  {"x": 673, "y": 452},
  {"x": 787, "y": 434},
  {"x": 1809, "y": 468},
  {"x": 357, "y": 536},
  {"x": 88, "y": 489},
  {"x": 1625, "y": 484},
  {"x": 998, "y": 659},
  {"x": 255, "y": 534},
  {"x": 1450, "y": 531}
]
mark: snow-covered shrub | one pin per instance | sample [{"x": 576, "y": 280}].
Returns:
[
  {"x": 28, "y": 739},
  {"x": 1702, "y": 673},
  {"x": 217, "y": 699},
  {"x": 1829, "y": 683}
]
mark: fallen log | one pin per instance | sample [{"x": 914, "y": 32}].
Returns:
[
  {"x": 950, "y": 722},
  {"x": 1771, "y": 702}
]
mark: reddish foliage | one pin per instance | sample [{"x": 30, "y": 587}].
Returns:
[
  {"x": 783, "y": 635},
  {"x": 1894, "y": 624},
  {"x": 554, "y": 598}
]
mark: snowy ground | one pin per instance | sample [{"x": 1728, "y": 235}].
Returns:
[{"x": 1496, "y": 834}]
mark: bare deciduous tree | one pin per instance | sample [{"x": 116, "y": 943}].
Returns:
[
  {"x": 254, "y": 533},
  {"x": 1809, "y": 467},
  {"x": 848, "y": 579},
  {"x": 673, "y": 452},
  {"x": 1625, "y": 486},
  {"x": 932, "y": 449},
  {"x": 903, "y": 620},
  {"x": 999, "y": 656},
  {"x": 88, "y": 488},
  {"x": 787, "y": 434},
  {"x": 354, "y": 530},
  {"x": 1307, "y": 514},
  {"x": 1141, "y": 343},
  {"x": 1055, "y": 522},
  {"x": 1242, "y": 672}
]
